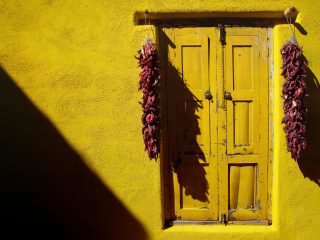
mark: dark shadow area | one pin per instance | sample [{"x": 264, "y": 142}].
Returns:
[
  {"x": 47, "y": 192},
  {"x": 309, "y": 163},
  {"x": 188, "y": 159}
]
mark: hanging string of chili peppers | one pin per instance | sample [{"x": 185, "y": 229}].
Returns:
[
  {"x": 294, "y": 92},
  {"x": 149, "y": 85}
]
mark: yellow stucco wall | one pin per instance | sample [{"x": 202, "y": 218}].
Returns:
[{"x": 73, "y": 60}]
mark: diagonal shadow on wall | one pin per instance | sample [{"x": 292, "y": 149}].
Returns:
[
  {"x": 309, "y": 163},
  {"x": 47, "y": 192}
]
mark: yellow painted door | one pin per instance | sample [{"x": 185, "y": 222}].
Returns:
[
  {"x": 190, "y": 74},
  {"x": 219, "y": 146},
  {"x": 243, "y": 125}
]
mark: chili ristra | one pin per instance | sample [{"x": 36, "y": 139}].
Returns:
[
  {"x": 148, "y": 84},
  {"x": 294, "y": 92}
]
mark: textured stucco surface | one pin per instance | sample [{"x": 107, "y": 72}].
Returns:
[{"x": 74, "y": 60}]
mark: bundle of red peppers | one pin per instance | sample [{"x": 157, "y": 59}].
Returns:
[
  {"x": 148, "y": 84},
  {"x": 294, "y": 93}
]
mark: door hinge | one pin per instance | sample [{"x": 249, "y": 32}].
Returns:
[{"x": 222, "y": 34}]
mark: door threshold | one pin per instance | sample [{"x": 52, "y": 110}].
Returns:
[
  {"x": 193, "y": 222},
  {"x": 211, "y": 222}
]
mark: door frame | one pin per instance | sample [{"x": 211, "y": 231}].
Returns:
[{"x": 168, "y": 201}]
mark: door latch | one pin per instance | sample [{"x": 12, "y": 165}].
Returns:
[
  {"x": 208, "y": 95},
  {"x": 227, "y": 96},
  {"x": 176, "y": 162},
  {"x": 224, "y": 219},
  {"x": 222, "y": 34}
]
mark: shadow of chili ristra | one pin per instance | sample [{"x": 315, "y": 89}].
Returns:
[{"x": 309, "y": 163}]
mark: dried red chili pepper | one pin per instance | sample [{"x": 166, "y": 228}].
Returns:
[
  {"x": 148, "y": 84},
  {"x": 294, "y": 92}
]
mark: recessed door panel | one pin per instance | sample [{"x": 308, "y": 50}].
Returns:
[{"x": 242, "y": 81}]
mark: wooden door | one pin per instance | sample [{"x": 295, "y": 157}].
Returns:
[
  {"x": 243, "y": 125},
  {"x": 190, "y": 74},
  {"x": 217, "y": 122}
]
